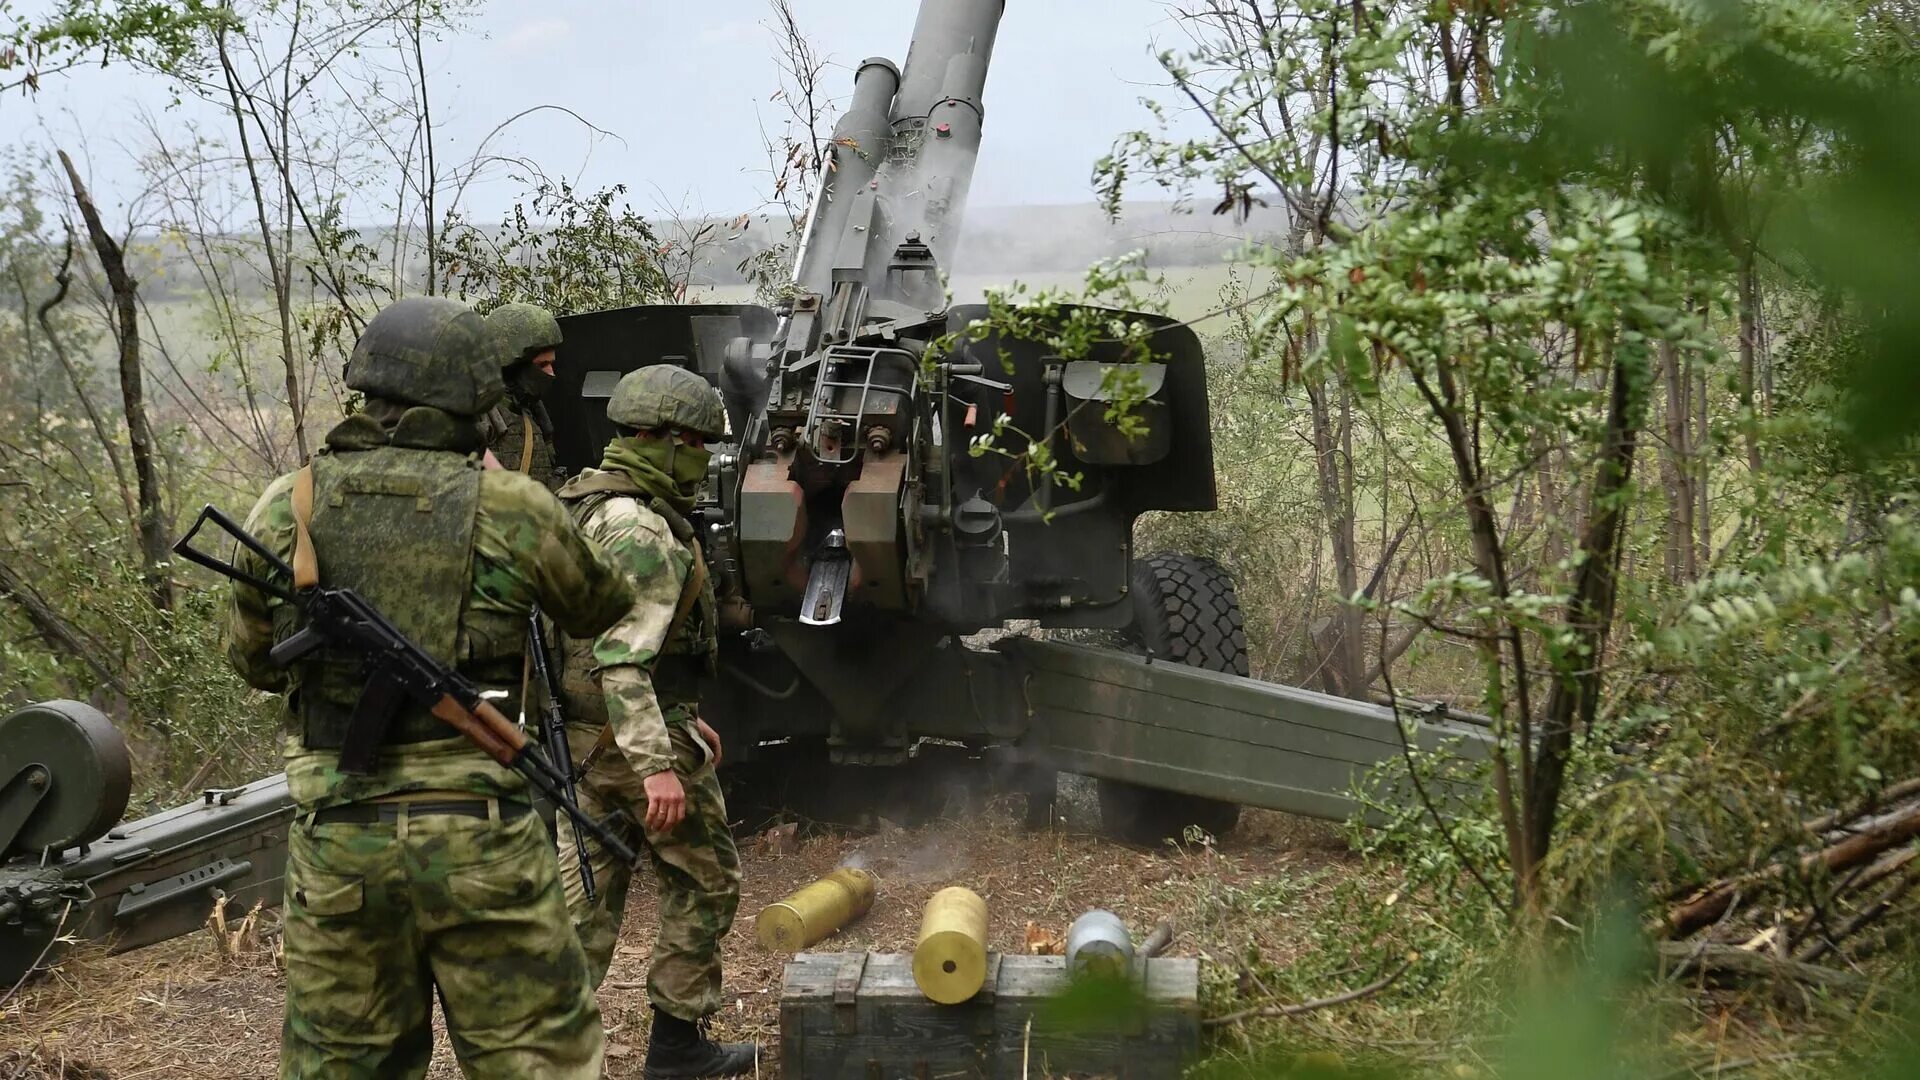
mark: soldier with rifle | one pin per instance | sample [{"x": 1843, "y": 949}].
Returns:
[
  {"x": 517, "y": 429},
  {"x": 632, "y": 693},
  {"x": 415, "y": 861}
]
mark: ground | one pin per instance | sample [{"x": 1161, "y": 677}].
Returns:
[{"x": 182, "y": 1009}]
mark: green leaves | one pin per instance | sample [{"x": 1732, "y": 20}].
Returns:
[
  {"x": 160, "y": 35},
  {"x": 566, "y": 251},
  {"x": 1785, "y": 127}
]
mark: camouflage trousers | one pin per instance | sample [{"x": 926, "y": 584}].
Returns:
[
  {"x": 695, "y": 863},
  {"x": 379, "y": 916}
]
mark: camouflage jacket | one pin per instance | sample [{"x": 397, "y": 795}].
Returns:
[
  {"x": 525, "y": 549},
  {"x": 504, "y": 429},
  {"x": 622, "y": 661}
]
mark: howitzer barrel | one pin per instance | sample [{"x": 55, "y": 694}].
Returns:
[
  {"x": 946, "y": 30},
  {"x": 860, "y": 142},
  {"x": 938, "y": 114},
  {"x": 901, "y": 157}
]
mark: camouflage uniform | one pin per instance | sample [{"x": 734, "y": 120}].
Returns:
[
  {"x": 517, "y": 428},
  {"x": 647, "y": 687},
  {"x": 381, "y": 912},
  {"x": 637, "y": 685}
]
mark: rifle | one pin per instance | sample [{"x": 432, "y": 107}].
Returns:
[
  {"x": 341, "y": 617},
  {"x": 553, "y": 728}
]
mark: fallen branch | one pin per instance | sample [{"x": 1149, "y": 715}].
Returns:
[
  {"x": 1685, "y": 918},
  {"x": 1872, "y": 913},
  {"x": 1890, "y": 795},
  {"x": 1721, "y": 1068},
  {"x": 1711, "y": 959},
  {"x": 1317, "y": 1004},
  {"x": 1158, "y": 941}
]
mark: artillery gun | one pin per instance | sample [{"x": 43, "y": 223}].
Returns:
[
  {"x": 863, "y": 542},
  {"x": 846, "y": 510}
]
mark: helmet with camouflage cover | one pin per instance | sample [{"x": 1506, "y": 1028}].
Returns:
[
  {"x": 665, "y": 395},
  {"x": 427, "y": 350},
  {"x": 519, "y": 331}
]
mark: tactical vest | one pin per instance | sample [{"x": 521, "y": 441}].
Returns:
[
  {"x": 691, "y": 651},
  {"x": 396, "y": 525},
  {"x": 519, "y": 444}
]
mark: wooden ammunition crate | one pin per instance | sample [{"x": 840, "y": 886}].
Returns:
[{"x": 859, "y": 1016}]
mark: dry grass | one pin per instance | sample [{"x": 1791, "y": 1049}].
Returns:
[{"x": 182, "y": 1008}]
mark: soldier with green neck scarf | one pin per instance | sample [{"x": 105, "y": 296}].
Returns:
[{"x": 632, "y": 695}]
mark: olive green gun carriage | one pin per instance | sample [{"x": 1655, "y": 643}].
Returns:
[{"x": 867, "y": 543}]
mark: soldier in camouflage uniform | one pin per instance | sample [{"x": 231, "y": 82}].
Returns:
[
  {"x": 632, "y": 693},
  {"x": 431, "y": 872},
  {"x": 517, "y": 429}
]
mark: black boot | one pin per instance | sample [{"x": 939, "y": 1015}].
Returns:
[{"x": 680, "y": 1050}]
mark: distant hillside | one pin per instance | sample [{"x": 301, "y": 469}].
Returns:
[{"x": 1000, "y": 242}]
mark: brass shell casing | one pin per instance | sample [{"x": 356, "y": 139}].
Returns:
[
  {"x": 816, "y": 910},
  {"x": 950, "y": 955}
]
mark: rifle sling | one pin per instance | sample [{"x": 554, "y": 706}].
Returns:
[
  {"x": 382, "y": 697},
  {"x": 306, "y": 565}
]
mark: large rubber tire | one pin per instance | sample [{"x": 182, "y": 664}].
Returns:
[{"x": 1184, "y": 610}]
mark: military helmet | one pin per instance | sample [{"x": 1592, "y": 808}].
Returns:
[
  {"x": 667, "y": 396},
  {"x": 427, "y": 350},
  {"x": 518, "y": 331}
]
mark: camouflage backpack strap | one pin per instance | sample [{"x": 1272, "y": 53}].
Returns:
[
  {"x": 306, "y": 565},
  {"x": 684, "y": 532},
  {"x": 689, "y": 594}
]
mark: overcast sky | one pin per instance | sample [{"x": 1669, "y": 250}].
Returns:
[{"x": 681, "y": 85}]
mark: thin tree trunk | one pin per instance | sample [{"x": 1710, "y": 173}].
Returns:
[
  {"x": 1576, "y": 694},
  {"x": 152, "y": 521},
  {"x": 1749, "y": 354},
  {"x": 426, "y": 128},
  {"x": 1675, "y": 469},
  {"x": 1702, "y": 489},
  {"x": 1443, "y": 398},
  {"x": 59, "y": 634},
  {"x": 282, "y": 290},
  {"x": 43, "y": 315},
  {"x": 1341, "y": 653}
]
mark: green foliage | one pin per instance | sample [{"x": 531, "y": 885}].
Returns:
[
  {"x": 565, "y": 251},
  {"x": 76, "y": 617},
  {"x": 1785, "y": 127},
  {"x": 149, "y": 32},
  {"x": 1105, "y": 316}
]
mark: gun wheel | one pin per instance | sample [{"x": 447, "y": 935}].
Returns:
[{"x": 1184, "y": 610}]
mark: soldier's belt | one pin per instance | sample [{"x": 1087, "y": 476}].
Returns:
[{"x": 388, "y": 813}]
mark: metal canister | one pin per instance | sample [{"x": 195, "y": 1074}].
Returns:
[
  {"x": 816, "y": 910},
  {"x": 950, "y": 955},
  {"x": 1099, "y": 946}
]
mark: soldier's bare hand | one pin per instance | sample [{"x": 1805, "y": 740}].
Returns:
[
  {"x": 710, "y": 737},
  {"x": 666, "y": 801}
]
